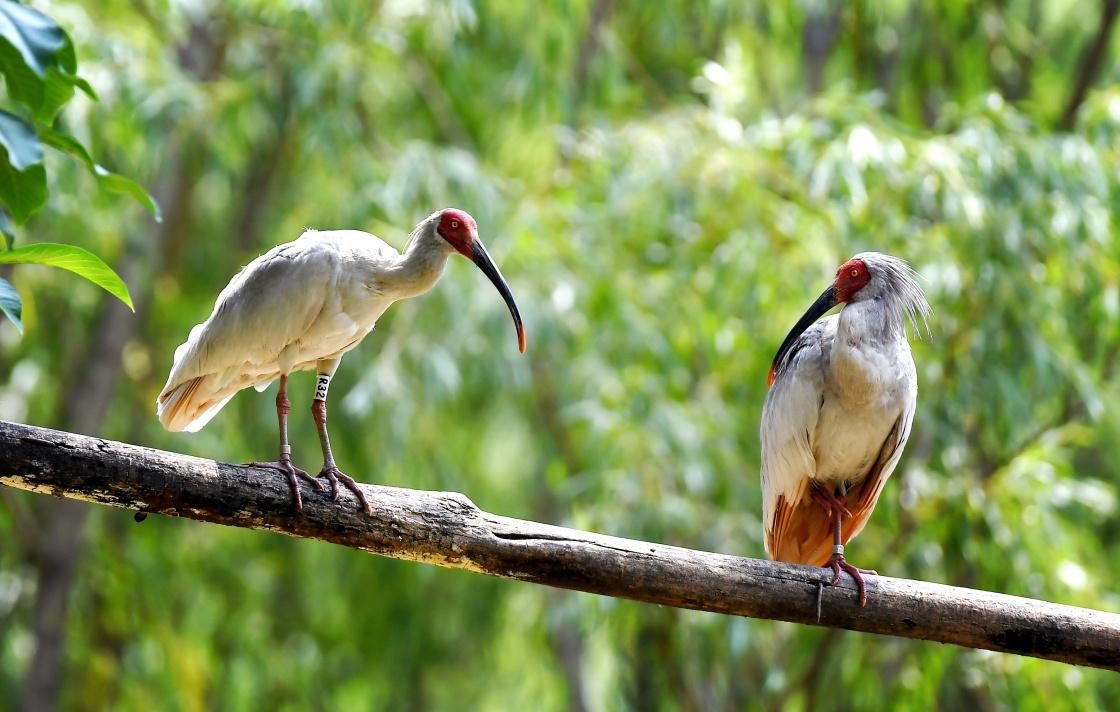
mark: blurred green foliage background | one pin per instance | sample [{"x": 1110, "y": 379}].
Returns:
[{"x": 667, "y": 186}]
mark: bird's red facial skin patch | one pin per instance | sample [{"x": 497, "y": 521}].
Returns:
[
  {"x": 458, "y": 228},
  {"x": 850, "y": 278}
]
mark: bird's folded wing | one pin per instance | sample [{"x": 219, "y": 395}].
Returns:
[
  {"x": 266, "y": 307},
  {"x": 789, "y": 421},
  {"x": 862, "y": 503}
]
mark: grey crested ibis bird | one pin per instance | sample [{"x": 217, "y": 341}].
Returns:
[
  {"x": 838, "y": 413},
  {"x": 301, "y": 306}
]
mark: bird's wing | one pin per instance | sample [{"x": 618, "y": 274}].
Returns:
[
  {"x": 872, "y": 485},
  {"x": 789, "y": 421},
  {"x": 267, "y": 306}
]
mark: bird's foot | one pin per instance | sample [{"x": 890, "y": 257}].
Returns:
[
  {"x": 838, "y": 563},
  {"x": 285, "y": 465},
  {"x": 828, "y": 500},
  {"x": 335, "y": 475}
]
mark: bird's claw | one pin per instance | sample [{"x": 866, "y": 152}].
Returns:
[
  {"x": 828, "y": 500},
  {"x": 285, "y": 465},
  {"x": 334, "y": 476},
  {"x": 838, "y": 563}
]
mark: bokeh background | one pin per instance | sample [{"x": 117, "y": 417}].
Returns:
[{"x": 667, "y": 186}]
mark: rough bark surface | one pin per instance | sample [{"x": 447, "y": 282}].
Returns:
[{"x": 447, "y": 529}]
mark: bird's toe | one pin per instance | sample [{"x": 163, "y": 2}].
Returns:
[
  {"x": 335, "y": 476},
  {"x": 294, "y": 475},
  {"x": 330, "y": 473}
]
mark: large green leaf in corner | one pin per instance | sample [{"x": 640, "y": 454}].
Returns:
[
  {"x": 29, "y": 43},
  {"x": 33, "y": 35},
  {"x": 75, "y": 259}
]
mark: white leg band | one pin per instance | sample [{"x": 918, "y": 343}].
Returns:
[
  {"x": 321, "y": 385},
  {"x": 838, "y": 549},
  {"x": 285, "y": 449}
]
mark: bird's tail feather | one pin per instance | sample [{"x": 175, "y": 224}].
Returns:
[
  {"x": 190, "y": 405},
  {"x": 802, "y": 532}
]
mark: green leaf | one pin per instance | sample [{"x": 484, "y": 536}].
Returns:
[
  {"x": 10, "y": 304},
  {"x": 58, "y": 88},
  {"x": 62, "y": 141},
  {"x": 23, "y": 84},
  {"x": 56, "y": 92},
  {"x": 116, "y": 183},
  {"x": 32, "y": 34},
  {"x": 6, "y": 230},
  {"x": 112, "y": 182},
  {"x": 69, "y": 257},
  {"x": 67, "y": 68},
  {"x": 22, "y": 192},
  {"x": 65, "y": 58},
  {"x": 18, "y": 137},
  {"x": 38, "y": 61},
  {"x": 75, "y": 80},
  {"x": 29, "y": 44}
]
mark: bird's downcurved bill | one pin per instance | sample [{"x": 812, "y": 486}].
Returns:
[
  {"x": 481, "y": 257},
  {"x": 826, "y": 301}
]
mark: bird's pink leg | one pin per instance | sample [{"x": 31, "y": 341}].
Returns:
[
  {"x": 330, "y": 469},
  {"x": 284, "y": 464},
  {"x": 838, "y": 562}
]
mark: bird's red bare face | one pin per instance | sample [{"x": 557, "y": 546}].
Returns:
[
  {"x": 850, "y": 278},
  {"x": 459, "y": 229},
  {"x": 461, "y": 232}
]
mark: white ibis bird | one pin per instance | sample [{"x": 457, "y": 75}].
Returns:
[
  {"x": 838, "y": 413},
  {"x": 301, "y": 306}
]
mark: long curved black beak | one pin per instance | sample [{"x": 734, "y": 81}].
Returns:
[
  {"x": 826, "y": 301},
  {"x": 481, "y": 257}
]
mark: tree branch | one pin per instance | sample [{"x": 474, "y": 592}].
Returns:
[
  {"x": 1091, "y": 63},
  {"x": 447, "y": 529}
]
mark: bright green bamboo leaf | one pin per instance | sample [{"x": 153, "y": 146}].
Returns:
[
  {"x": 10, "y": 304},
  {"x": 75, "y": 259}
]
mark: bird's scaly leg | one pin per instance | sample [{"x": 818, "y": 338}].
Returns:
[
  {"x": 284, "y": 464},
  {"x": 330, "y": 469},
  {"x": 837, "y": 562}
]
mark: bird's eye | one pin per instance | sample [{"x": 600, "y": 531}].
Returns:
[
  {"x": 855, "y": 272},
  {"x": 454, "y": 224}
]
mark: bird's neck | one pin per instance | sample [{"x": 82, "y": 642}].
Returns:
[
  {"x": 422, "y": 263},
  {"x": 874, "y": 321}
]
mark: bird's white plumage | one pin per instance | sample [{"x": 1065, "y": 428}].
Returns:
[
  {"x": 302, "y": 303},
  {"x": 839, "y": 413}
]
